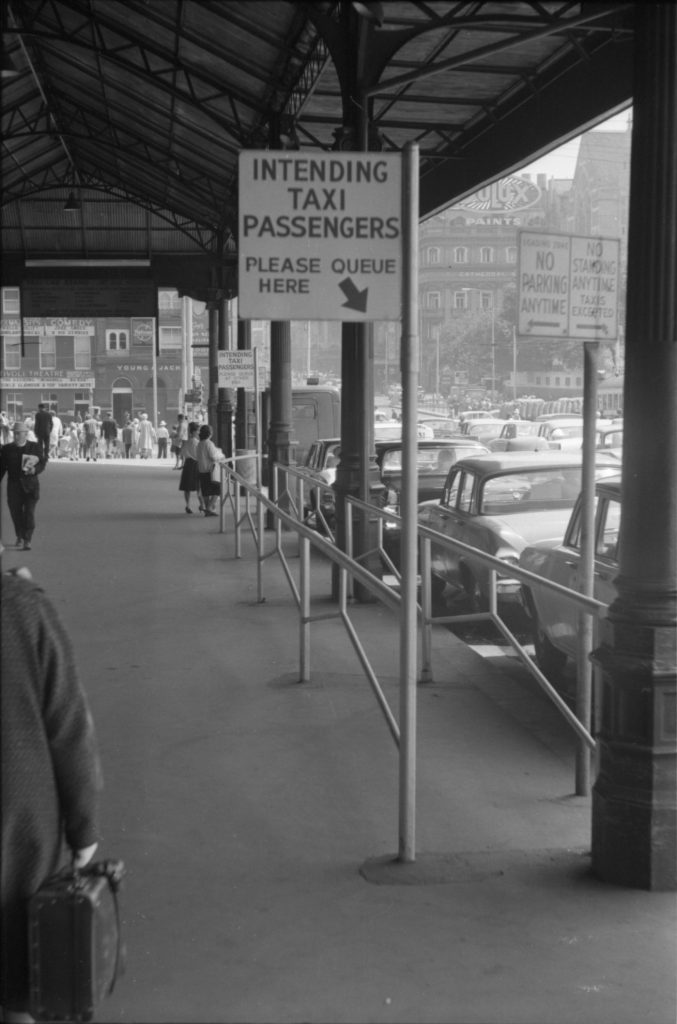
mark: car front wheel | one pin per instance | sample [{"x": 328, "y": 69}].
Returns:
[
  {"x": 476, "y": 599},
  {"x": 549, "y": 659}
]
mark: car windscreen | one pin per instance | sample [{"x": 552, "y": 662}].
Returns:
[{"x": 526, "y": 491}]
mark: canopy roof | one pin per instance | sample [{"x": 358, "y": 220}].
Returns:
[{"x": 141, "y": 107}]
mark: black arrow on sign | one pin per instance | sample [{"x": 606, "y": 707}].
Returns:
[{"x": 355, "y": 298}]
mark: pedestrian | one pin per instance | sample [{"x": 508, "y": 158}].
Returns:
[
  {"x": 55, "y": 436},
  {"x": 208, "y": 456},
  {"x": 190, "y": 478},
  {"x": 146, "y": 437},
  {"x": 51, "y": 771},
  {"x": 22, "y": 460},
  {"x": 182, "y": 435},
  {"x": 162, "y": 439},
  {"x": 127, "y": 438},
  {"x": 109, "y": 432},
  {"x": 5, "y": 429},
  {"x": 90, "y": 434},
  {"x": 42, "y": 427},
  {"x": 135, "y": 437},
  {"x": 73, "y": 442}
]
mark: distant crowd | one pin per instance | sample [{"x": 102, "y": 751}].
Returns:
[{"x": 94, "y": 437}]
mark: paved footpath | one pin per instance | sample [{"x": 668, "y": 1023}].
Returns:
[{"x": 258, "y": 817}]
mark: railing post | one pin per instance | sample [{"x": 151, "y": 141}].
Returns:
[
  {"x": 426, "y": 613},
  {"x": 304, "y": 617},
  {"x": 260, "y": 544}
]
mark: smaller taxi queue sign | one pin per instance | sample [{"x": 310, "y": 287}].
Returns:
[
  {"x": 320, "y": 236},
  {"x": 568, "y": 286}
]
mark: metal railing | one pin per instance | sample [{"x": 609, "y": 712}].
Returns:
[{"x": 290, "y": 500}]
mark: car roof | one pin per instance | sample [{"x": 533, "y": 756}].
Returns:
[
  {"x": 429, "y": 442},
  {"x": 498, "y": 462},
  {"x": 611, "y": 484}
]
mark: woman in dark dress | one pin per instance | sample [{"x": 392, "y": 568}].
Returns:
[{"x": 189, "y": 481}]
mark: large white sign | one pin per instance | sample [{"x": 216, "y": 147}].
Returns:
[
  {"x": 568, "y": 286},
  {"x": 320, "y": 236}
]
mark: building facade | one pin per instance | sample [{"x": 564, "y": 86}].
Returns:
[{"x": 103, "y": 363}]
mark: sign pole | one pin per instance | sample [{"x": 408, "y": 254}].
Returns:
[
  {"x": 587, "y": 563},
  {"x": 408, "y": 506},
  {"x": 257, "y": 417},
  {"x": 155, "y": 340}
]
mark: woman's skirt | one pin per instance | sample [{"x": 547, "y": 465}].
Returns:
[{"x": 188, "y": 480}]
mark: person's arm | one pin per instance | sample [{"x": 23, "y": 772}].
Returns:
[{"x": 71, "y": 736}]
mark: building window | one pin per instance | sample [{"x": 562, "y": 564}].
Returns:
[
  {"x": 169, "y": 300},
  {"x": 579, "y": 382},
  {"x": 461, "y": 254},
  {"x": 486, "y": 254},
  {"x": 12, "y": 352},
  {"x": 567, "y": 382},
  {"x": 486, "y": 300},
  {"x": 10, "y": 301},
  {"x": 558, "y": 382},
  {"x": 511, "y": 254},
  {"x": 82, "y": 353},
  {"x": 48, "y": 353},
  {"x": 433, "y": 254},
  {"x": 460, "y": 300},
  {"x": 433, "y": 300},
  {"x": 117, "y": 341},
  {"x": 171, "y": 339}
]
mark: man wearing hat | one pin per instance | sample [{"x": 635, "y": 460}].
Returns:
[
  {"x": 162, "y": 440},
  {"x": 22, "y": 460}
]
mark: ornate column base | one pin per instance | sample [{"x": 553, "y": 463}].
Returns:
[{"x": 634, "y": 820}]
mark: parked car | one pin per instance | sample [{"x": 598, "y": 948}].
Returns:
[
  {"x": 321, "y": 462},
  {"x": 485, "y": 430},
  {"x": 443, "y": 427},
  {"x": 499, "y": 503},
  {"x": 391, "y": 430},
  {"x": 553, "y": 619},
  {"x": 564, "y": 433},
  {"x": 434, "y": 460},
  {"x": 609, "y": 438},
  {"x": 518, "y": 436}
]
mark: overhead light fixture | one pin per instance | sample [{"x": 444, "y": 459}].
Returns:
[
  {"x": 9, "y": 68},
  {"x": 72, "y": 204}
]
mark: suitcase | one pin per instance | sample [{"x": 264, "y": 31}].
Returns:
[{"x": 75, "y": 946}]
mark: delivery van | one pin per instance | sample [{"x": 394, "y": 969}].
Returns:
[{"x": 315, "y": 413}]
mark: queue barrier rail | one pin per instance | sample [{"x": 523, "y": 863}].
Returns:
[{"x": 292, "y": 485}]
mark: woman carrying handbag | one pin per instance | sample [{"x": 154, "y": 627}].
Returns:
[{"x": 208, "y": 456}]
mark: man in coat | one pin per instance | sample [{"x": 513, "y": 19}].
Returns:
[
  {"x": 49, "y": 767},
  {"x": 22, "y": 460},
  {"x": 42, "y": 427}
]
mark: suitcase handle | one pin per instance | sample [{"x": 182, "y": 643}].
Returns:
[{"x": 113, "y": 871}]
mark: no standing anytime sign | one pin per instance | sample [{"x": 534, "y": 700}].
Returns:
[{"x": 320, "y": 236}]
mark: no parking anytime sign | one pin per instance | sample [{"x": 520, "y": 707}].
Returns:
[{"x": 320, "y": 236}]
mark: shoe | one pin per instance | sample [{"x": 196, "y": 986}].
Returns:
[
  {"x": 19, "y": 542},
  {"x": 189, "y": 510},
  {"x": 27, "y": 546},
  {"x": 208, "y": 513}
]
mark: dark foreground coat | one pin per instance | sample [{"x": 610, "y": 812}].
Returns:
[{"x": 51, "y": 775}]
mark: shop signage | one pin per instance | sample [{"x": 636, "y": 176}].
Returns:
[
  {"x": 45, "y": 379},
  {"x": 568, "y": 286},
  {"x": 320, "y": 237}
]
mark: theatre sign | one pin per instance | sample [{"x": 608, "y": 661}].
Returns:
[{"x": 320, "y": 237}]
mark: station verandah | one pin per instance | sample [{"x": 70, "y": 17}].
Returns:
[{"x": 634, "y": 834}]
